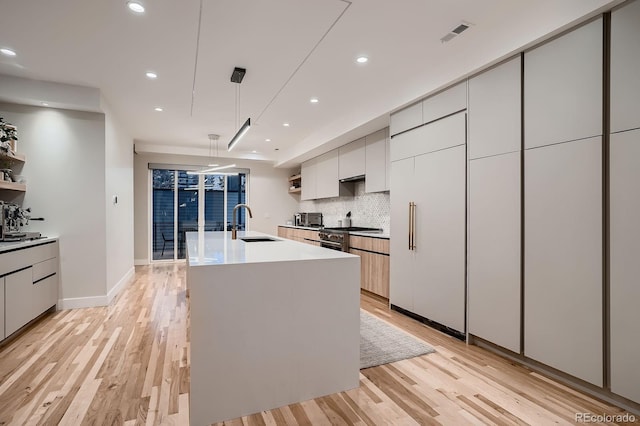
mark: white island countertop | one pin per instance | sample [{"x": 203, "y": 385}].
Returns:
[{"x": 217, "y": 248}]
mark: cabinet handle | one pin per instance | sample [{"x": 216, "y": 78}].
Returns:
[
  {"x": 413, "y": 226},
  {"x": 410, "y": 225}
]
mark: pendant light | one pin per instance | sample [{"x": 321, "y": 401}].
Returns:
[
  {"x": 213, "y": 167},
  {"x": 236, "y": 77}
]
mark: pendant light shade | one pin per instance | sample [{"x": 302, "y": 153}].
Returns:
[{"x": 244, "y": 129}]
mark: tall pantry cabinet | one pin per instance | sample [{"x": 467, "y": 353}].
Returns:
[
  {"x": 428, "y": 198},
  {"x": 625, "y": 202},
  {"x": 494, "y": 140},
  {"x": 563, "y": 196}
]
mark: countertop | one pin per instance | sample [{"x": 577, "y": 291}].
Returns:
[
  {"x": 18, "y": 245},
  {"x": 217, "y": 248},
  {"x": 384, "y": 235}
]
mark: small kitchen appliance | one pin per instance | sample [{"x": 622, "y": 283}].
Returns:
[
  {"x": 13, "y": 218},
  {"x": 312, "y": 220}
]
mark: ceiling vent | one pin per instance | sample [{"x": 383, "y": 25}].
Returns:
[{"x": 462, "y": 27}]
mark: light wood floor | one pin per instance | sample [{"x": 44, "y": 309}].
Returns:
[{"x": 129, "y": 364}]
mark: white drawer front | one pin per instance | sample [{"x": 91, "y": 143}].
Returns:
[{"x": 46, "y": 268}]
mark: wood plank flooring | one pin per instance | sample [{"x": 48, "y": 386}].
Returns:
[{"x": 129, "y": 364}]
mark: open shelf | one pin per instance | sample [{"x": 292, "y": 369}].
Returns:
[
  {"x": 295, "y": 190},
  {"x": 16, "y": 157},
  {"x": 12, "y": 186},
  {"x": 295, "y": 177}
]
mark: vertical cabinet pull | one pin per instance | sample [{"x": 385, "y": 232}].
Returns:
[{"x": 412, "y": 226}]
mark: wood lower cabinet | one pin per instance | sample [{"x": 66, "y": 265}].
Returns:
[
  {"x": 2, "y": 308},
  {"x": 307, "y": 236},
  {"x": 374, "y": 263}
]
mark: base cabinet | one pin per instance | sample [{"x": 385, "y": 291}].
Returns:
[
  {"x": 374, "y": 263},
  {"x": 302, "y": 235},
  {"x": 2, "y": 308},
  {"x": 29, "y": 285}
]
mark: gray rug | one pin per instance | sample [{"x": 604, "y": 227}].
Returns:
[{"x": 382, "y": 343}]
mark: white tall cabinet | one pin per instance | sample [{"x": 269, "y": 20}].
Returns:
[
  {"x": 563, "y": 281},
  {"x": 494, "y": 205},
  {"x": 428, "y": 267},
  {"x": 625, "y": 202}
]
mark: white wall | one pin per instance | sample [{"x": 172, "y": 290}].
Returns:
[
  {"x": 119, "y": 216},
  {"x": 268, "y": 196},
  {"x": 64, "y": 168}
]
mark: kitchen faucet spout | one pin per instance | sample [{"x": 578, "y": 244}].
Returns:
[{"x": 234, "y": 231}]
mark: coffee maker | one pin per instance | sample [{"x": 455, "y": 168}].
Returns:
[{"x": 12, "y": 219}]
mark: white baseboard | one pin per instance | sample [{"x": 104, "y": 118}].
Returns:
[
  {"x": 93, "y": 301},
  {"x": 138, "y": 262},
  {"x": 82, "y": 302},
  {"x": 123, "y": 281}
]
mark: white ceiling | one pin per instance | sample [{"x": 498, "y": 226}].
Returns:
[{"x": 292, "y": 49}]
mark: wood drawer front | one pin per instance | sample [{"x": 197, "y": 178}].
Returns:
[
  {"x": 44, "y": 269},
  {"x": 374, "y": 272},
  {"x": 45, "y": 294},
  {"x": 378, "y": 245},
  {"x": 18, "y": 259},
  {"x": 2, "y": 336}
]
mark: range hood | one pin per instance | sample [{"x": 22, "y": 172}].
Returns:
[{"x": 352, "y": 179}]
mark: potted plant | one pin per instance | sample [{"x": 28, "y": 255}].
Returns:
[{"x": 8, "y": 137}]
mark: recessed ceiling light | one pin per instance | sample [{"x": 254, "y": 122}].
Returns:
[
  {"x": 7, "y": 52},
  {"x": 267, "y": 140},
  {"x": 158, "y": 109},
  {"x": 254, "y": 151},
  {"x": 136, "y": 7},
  {"x": 362, "y": 59},
  {"x": 212, "y": 165},
  {"x": 286, "y": 124},
  {"x": 152, "y": 75},
  {"x": 44, "y": 104},
  {"x": 314, "y": 100}
]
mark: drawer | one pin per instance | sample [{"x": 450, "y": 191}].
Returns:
[
  {"x": 377, "y": 245},
  {"x": 21, "y": 258},
  {"x": 44, "y": 269},
  {"x": 45, "y": 294}
]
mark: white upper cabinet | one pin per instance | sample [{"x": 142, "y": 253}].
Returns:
[
  {"x": 308, "y": 180},
  {"x": 444, "y": 103},
  {"x": 351, "y": 159},
  {"x": 625, "y": 63},
  {"x": 377, "y": 162},
  {"x": 406, "y": 119},
  {"x": 445, "y": 133},
  {"x": 494, "y": 110},
  {"x": 563, "y": 88},
  {"x": 327, "y": 182}
]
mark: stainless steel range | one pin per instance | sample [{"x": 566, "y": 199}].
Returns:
[{"x": 338, "y": 238}]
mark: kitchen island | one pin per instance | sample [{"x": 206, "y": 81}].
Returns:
[{"x": 272, "y": 323}]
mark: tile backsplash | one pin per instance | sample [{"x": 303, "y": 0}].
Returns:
[{"x": 367, "y": 209}]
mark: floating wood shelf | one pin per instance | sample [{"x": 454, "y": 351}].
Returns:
[
  {"x": 295, "y": 177},
  {"x": 12, "y": 186},
  {"x": 16, "y": 157},
  {"x": 295, "y": 190}
]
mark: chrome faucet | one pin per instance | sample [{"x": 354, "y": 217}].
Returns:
[{"x": 234, "y": 231}]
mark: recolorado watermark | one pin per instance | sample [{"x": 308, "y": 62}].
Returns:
[{"x": 604, "y": 418}]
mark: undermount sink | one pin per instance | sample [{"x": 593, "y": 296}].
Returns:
[{"x": 257, "y": 239}]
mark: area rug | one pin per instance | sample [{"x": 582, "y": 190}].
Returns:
[{"x": 382, "y": 343}]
